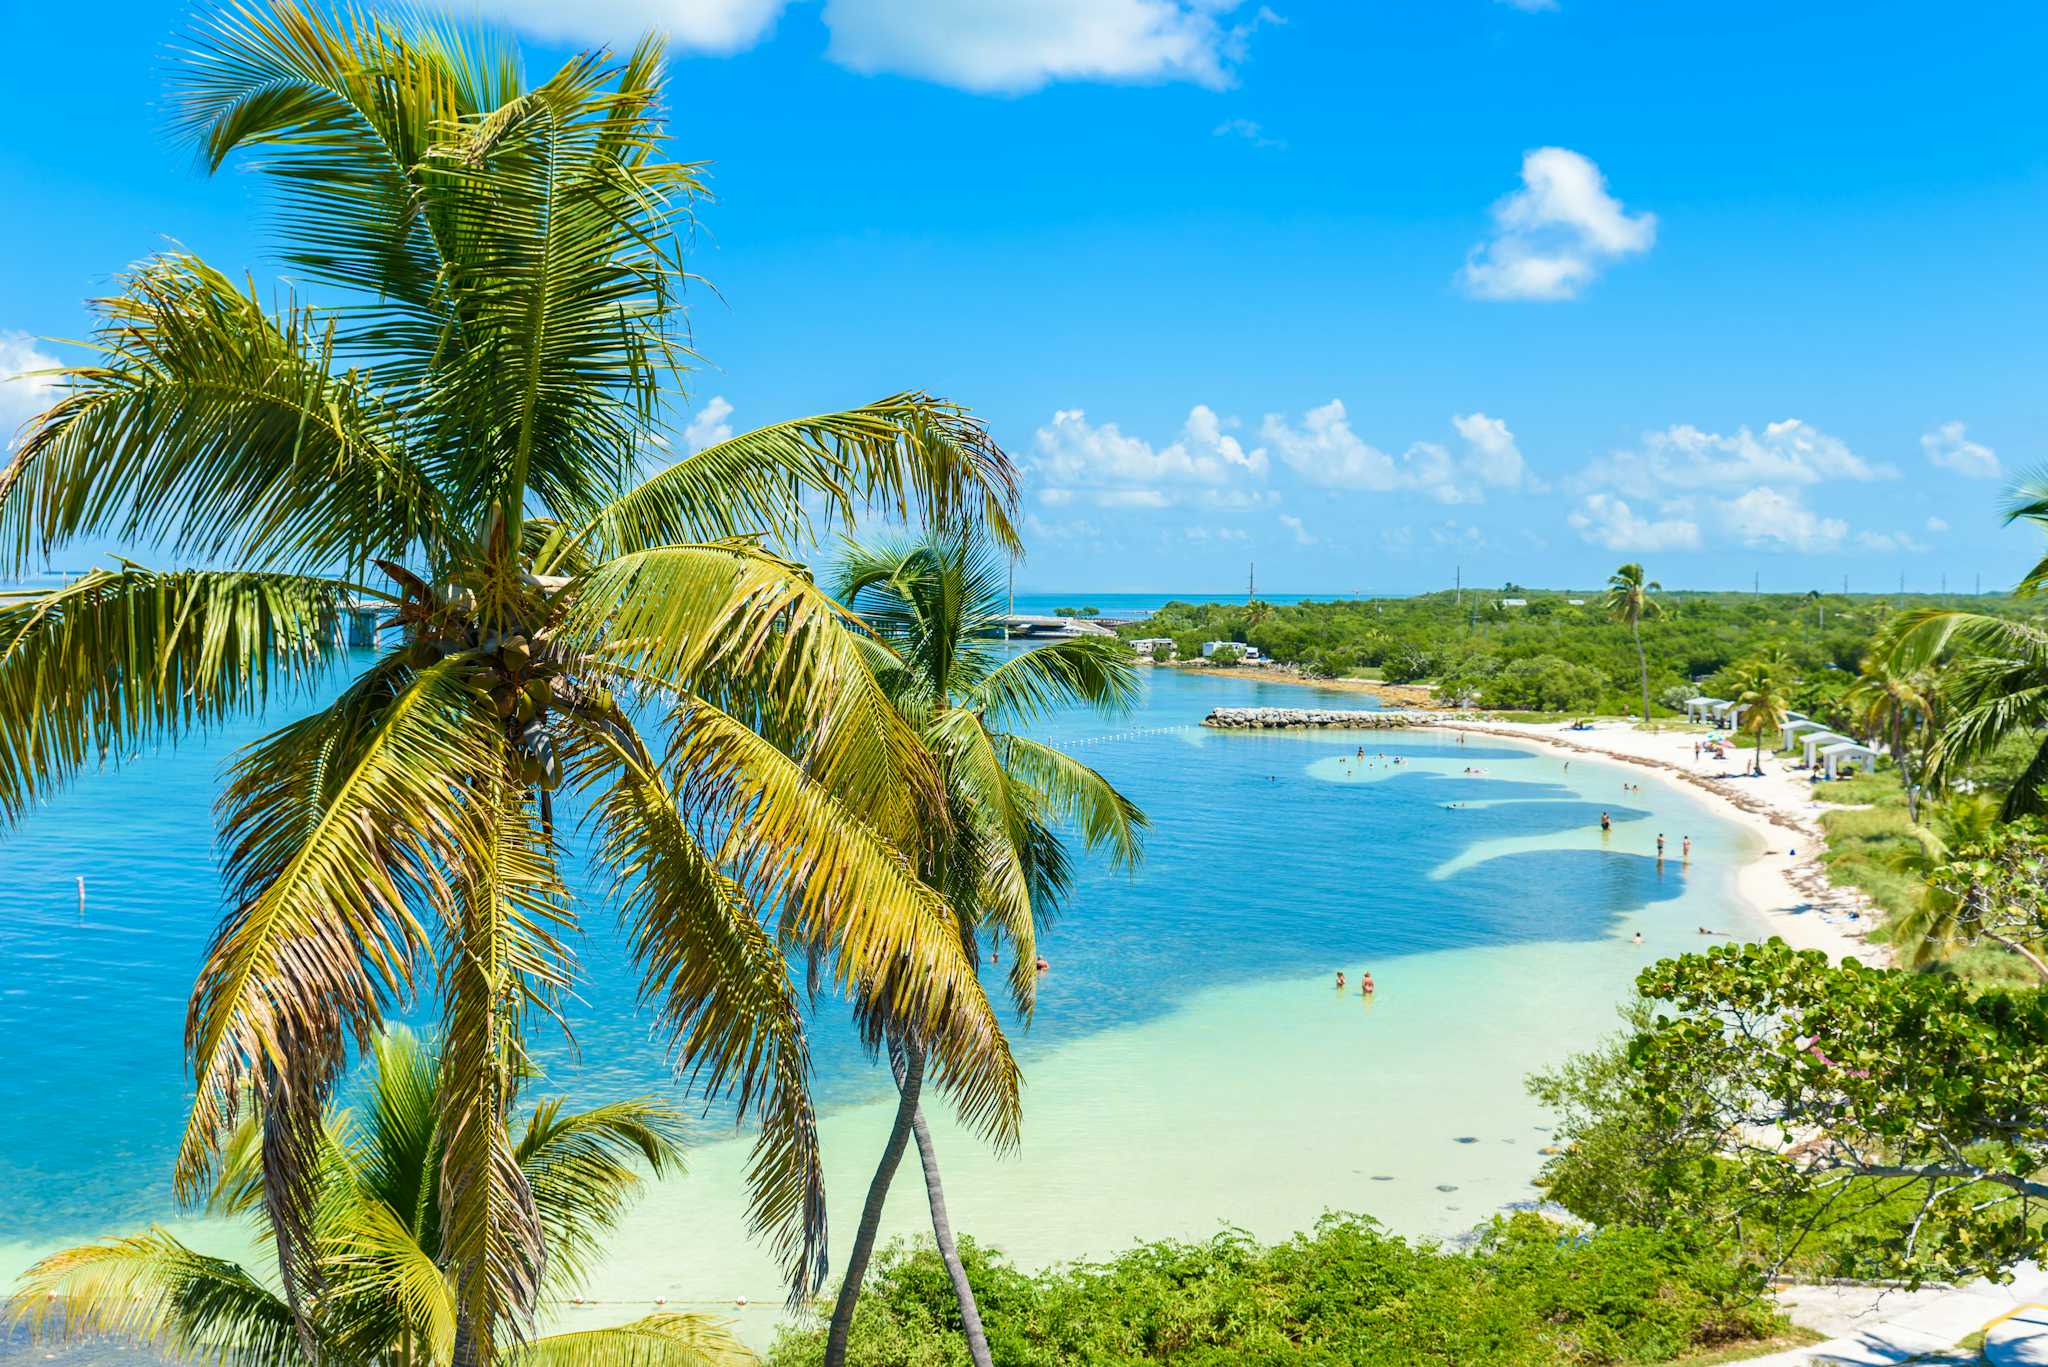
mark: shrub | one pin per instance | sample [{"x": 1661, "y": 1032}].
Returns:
[{"x": 1529, "y": 1292}]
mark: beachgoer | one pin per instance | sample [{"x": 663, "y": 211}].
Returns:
[
  {"x": 1340, "y": 977},
  {"x": 1639, "y": 937},
  {"x": 1605, "y": 824},
  {"x": 1365, "y": 984},
  {"x": 1695, "y": 752},
  {"x": 1660, "y": 844},
  {"x": 1043, "y": 965},
  {"x": 1685, "y": 849}
]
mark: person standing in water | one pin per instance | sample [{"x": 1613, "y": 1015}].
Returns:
[
  {"x": 1340, "y": 977},
  {"x": 1606, "y": 824},
  {"x": 1685, "y": 849},
  {"x": 1660, "y": 844},
  {"x": 1365, "y": 983}
]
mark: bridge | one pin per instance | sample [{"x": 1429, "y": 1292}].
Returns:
[{"x": 1023, "y": 625}]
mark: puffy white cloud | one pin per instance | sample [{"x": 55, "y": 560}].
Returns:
[
  {"x": 1302, "y": 535},
  {"x": 1325, "y": 450},
  {"x": 1604, "y": 520},
  {"x": 23, "y": 394},
  {"x": 1890, "y": 542},
  {"x": 1779, "y": 520},
  {"x": 1684, "y": 457},
  {"x": 1937, "y": 524},
  {"x": 1552, "y": 236},
  {"x": 709, "y": 426},
  {"x": 1495, "y": 458},
  {"x": 1947, "y": 447},
  {"x": 705, "y": 25},
  {"x": 1013, "y": 46},
  {"x": 1217, "y": 534},
  {"x": 1116, "y": 469},
  {"x": 1079, "y": 529},
  {"x": 1251, "y": 131}
]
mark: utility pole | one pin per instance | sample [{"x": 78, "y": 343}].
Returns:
[
  {"x": 1756, "y": 584},
  {"x": 1013, "y": 597},
  {"x": 1251, "y": 582},
  {"x": 1944, "y": 583},
  {"x": 1845, "y": 586},
  {"x": 1902, "y": 583},
  {"x": 1980, "y": 583},
  {"x": 1461, "y": 586}
]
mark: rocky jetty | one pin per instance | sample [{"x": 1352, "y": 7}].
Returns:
[{"x": 1300, "y": 718}]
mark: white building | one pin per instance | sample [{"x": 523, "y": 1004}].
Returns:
[
  {"x": 1244, "y": 651},
  {"x": 1149, "y": 645}
]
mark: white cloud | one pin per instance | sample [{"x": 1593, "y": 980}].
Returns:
[
  {"x": 1684, "y": 457},
  {"x": 1495, "y": 458},
  {"x": 1079, "y": 529},
  {"x": 1604, "y": 520},
  {"x": 1552, "y": 236},
  {"x": 709, "y": 426},
  {"x": 22, "y": 394},
  {"x": 1217, "y": 534},
  {"x": 706, "y": 25},
  {"x": 1324, "y": 450},
  {"x": 1013, "y": 46},
  {"x": 1937, "y": 525},
  {"x": 1302, "y": 535},
  {"x": 1251, "y": 131},
  {"x": 1119, "y": 470},
  {"x": 1779, "y": 520},
  {"x": 1890, "y": 542},
  {"x": 1947, "y": 447}
]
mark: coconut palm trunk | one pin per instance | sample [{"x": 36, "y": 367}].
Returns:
[
  {"x": 1642, "y": 667},
  {"x": 942, "y": 1225},
  {"x": 909, "y": 1085}
]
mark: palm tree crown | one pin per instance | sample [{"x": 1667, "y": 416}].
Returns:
[
  {"x": 378, "y": 1244},
  {"x": 477, "y": 417},
  {"x": 1629, "y": 599}
]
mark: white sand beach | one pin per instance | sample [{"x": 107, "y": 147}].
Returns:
[{"x": 1786, "y": 883}]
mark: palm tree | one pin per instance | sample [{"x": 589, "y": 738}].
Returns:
[
  {"x": 1898, "y": 705},
  {"x": 1931, "y": 930},
  {"x": 1760, "y": 688},
  {"x": 934, "y": 606},
  {"x": 379, "y": 1249},
  {"x": 1628, "y": 600},
  {"x": 476, "y": 418}
]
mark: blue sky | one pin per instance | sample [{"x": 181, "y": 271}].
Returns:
[{"x": 1363, "y": 292}]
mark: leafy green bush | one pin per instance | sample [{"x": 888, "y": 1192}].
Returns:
[{"x": 1529, "y": 1292}]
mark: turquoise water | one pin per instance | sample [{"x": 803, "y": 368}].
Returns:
[{"x": 1189, "y": 1062}]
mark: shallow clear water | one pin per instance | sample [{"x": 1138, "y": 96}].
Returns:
[{"x": 1190, "y": 1061}]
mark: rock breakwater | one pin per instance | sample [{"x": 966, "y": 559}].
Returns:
[{"x": 1302, "y": 718}]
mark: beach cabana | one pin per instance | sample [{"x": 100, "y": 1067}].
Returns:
[
  {"x": 1850, "y": 752},
  {"x": 1797, "y": 727},
  {"x": 1814, "y": 740},
  {"x": 1701, "y": 709}
]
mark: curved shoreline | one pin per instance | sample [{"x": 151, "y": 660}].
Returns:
[{"x": 1785, "y": 884}]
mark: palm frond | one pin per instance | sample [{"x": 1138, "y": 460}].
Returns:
[
  {"x": 719, "y": 983},
  {"x": 1091, "y": 671},
  {"x": 150, "y": 1289},
  {"x": 1077, "y": 795},
  {"x": 840, "y": 887},
  {"x": 220, "y": 431},
  {"x": 752, "y": 632},
  {"x": 672, "y": 1339},
  {"x": 125, "y": 657},
  {"x": 583, "y": 1170},
  {"x": 337, "y": 830},
  {"x": 381, "y": 1285},
  {"x": 908, "y": 453}
]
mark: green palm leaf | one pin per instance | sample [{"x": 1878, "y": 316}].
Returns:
[
  {"x": 122, "y": 658},
  {"x": 908, "y": 452},
  {"x": 672, "y": 1339},
  {"x": 219, "y": 430}
]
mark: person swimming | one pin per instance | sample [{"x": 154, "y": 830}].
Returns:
[
  {"x": 1639, "y": 937},
  {"x": 1043, "y": 965}
]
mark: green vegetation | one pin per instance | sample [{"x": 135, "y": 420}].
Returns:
[
  {"x": 1846, "y": 1121},
  {"x": 1465, "y": 643},
  {"x": 373, "y": 1270},
  {"x": 1530, "y": 1292}
]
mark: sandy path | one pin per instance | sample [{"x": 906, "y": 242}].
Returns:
[{"x": 1786, "y": 883}]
